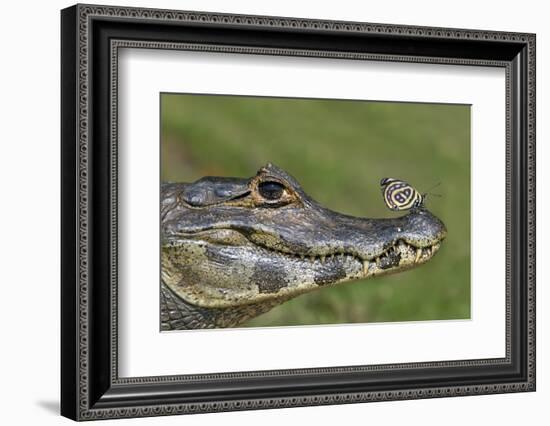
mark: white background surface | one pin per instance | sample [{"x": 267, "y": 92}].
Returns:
[
  {"x": 140, "y": 343},
  {"x": 29, "y": 222}
]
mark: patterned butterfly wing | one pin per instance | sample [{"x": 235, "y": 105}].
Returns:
[{"x": 399, "y": 195}]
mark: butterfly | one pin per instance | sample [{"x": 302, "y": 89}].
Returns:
[{"x": 399, "y": 195}]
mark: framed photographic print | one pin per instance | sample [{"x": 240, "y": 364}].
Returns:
[{"x": 263, "y": 212}]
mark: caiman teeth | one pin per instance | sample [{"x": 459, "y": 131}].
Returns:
[
  {"x": 398, "y": 248},
  {"x": 418, "y": 255}
]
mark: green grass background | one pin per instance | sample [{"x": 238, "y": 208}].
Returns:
[{"x": 339, "y": 150}]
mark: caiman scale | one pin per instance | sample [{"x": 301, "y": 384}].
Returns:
[{"x": 234, "y": 248}]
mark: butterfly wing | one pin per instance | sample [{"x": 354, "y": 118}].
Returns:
[{"x": 399, "y": 195}]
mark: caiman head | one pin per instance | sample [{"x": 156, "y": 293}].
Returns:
[{"x": 233, "y": 248}]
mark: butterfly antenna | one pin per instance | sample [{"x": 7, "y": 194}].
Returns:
[
  {"x": 433, "y": 187},
  {"x": 431, "y": 193}
]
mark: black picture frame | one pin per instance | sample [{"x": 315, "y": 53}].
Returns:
[{"x": 90, "y": 386}]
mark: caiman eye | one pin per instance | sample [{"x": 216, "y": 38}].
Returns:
[{"x": 271, "y": 190}]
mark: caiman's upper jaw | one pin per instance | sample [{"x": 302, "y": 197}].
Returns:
[{"x": 400, "y": 243}]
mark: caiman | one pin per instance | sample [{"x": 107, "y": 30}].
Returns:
[{"x": 234, "y": 248}]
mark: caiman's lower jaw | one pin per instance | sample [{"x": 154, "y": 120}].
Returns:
[{"x": 397, "y": 257}]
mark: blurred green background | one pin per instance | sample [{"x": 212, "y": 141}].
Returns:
[{"x": 339, "y": 150}]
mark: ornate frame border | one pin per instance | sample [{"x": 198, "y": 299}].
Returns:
[{"x": 84, "y": 398}]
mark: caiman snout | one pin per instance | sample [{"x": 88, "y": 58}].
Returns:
[
  {"x": 406, "y": 241},
  {"x": 383, "y": 245},
  {"x": 422, "y": 229}
]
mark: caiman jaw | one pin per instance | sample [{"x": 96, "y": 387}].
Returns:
[
  {"x": 399, "y": 255},
  {"x": 221, "y": 268}
]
